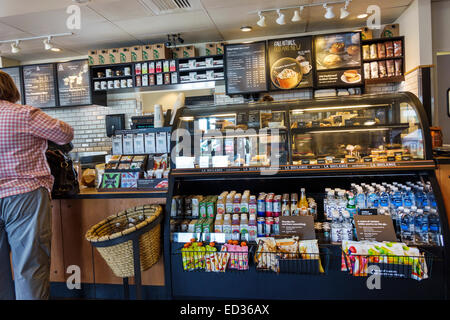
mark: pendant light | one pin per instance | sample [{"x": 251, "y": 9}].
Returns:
[
  {"x": 15, "y": 47},
  {"x": 297, "y": 15},
  {"x": 329, "y": 14},
  {"x": 344, "y": 12},
  {"x": 280, "y": 20},
  {"x": 262, "y": 20}
]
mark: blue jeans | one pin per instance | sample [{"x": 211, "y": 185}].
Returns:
[{"x": 25, "y": 232}]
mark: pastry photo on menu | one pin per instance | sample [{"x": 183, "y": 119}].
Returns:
[
  {"x": 338, "y": 51},
  {"x": 290, "y": 62},
  {"x": 351, "y": 76}
]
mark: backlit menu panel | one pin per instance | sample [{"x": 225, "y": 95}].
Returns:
[
  {"x": 39, "y": 83},
  {"x": 246, "y": 68}
]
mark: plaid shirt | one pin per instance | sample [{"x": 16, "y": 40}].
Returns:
[{"x": 24, "y": 132}]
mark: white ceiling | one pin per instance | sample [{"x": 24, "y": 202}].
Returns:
[{"x": 118, "y": 23}]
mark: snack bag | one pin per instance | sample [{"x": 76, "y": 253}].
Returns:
[
  {"x": 187, "y": 257},
  {"x": 309, "y": 249},
  {"x": 211, "y": 251},
  {"x": 287, "y": 248},
  {"x": 265, "y": 257},
  {"x": 243, "y": 256}
]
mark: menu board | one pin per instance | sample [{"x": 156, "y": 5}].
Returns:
[
  {"x": 290, "y": 63},
  {"x": 39, "y": 82},
  {"x": 73, "y": 83},
  {"x": 245, "y": 68},
  {"x": 15, "y": 74},
  {"x": 338, "y": 60}
]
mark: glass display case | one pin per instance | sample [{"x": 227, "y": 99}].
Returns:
[{"x": 362, "y": 129}]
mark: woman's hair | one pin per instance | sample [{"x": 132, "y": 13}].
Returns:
[{"x": 8, "y": 89}]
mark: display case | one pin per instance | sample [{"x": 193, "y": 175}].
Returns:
[{"x": 319, "y": 156}]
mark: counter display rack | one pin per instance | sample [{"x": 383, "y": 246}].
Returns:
[{"x": 394, "y": 151}]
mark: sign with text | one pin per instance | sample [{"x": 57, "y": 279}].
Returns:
[
  {"x": 375, "y": 228},
  {"x": 302, "y": 226}
]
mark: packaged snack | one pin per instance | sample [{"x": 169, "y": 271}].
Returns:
[
  {"x": 381, "y": 50},
  {"x": 309, "y": 249},
  {"x": 382, "y": 69},
  {"x": 265, "y": 254},
  {"x": 398, "y": 48},
  {"x": 136, "y": 165},
  {"x": 367, "y": 70},
  {"x": 124, "y": 166},
  {"x": 398, "y": 67},
  {"x": 138, "y": 158},
  {"x": 373, "y": 51},
  {"x": 366, "y": 52},
  {"x": 115, "y": 158},
  {"x": 287, "y": 248},
  {"x": 374, "y": 70},
  {"x": 126, "y": 158},
  {"x": 111, "y": 166},
  {"x": 389, "y": 45},
  {"x": 390, "y": 68}
]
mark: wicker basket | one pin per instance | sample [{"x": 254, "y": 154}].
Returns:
[{"x": 119, "y": 256}]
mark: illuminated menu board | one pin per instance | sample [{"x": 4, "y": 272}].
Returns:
[
  {"x": 245, "y": 69},
  {"x": 39, "y": 83}
]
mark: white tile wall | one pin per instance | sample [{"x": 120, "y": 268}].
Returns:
[{"x": 89, "y": 123}]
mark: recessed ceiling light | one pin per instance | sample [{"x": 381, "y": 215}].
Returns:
[
  {"x": 362, "y": 16},
  {"x": 246, "y": 29},
  {"x": 55, "y": 49}
]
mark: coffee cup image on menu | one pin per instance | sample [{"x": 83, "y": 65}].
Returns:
[{"x": 286, "y": 73}]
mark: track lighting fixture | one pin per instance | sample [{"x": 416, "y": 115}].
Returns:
[
  {"x": 329, "y": 14},
  {"x": 262, "y": 20},
  {"x": 280, "y": 20}
]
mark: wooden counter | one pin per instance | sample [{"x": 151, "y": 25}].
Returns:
[
  {"x": 73, "y": 216},
  {"x": 443, "y": 176}
]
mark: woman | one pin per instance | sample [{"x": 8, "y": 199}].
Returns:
[{"x": 25, "y": 186}]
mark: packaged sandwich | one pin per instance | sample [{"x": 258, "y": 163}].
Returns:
[
  {"x": 374, "y": 70},
  {"x": 366, "y": 52},
  {"x": 287, "y": 248},
  {"x": 309, "y": 249},
  {"x": 367, "y": 70},
  {"x": 382, "y": 69}
]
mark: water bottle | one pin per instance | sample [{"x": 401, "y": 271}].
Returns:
[
  {"x": 418, "y": 197},
  {"x": 336, "y": 227},
  {"x": 431, "y": 198},
  {"x": 360, "y": 199},
  {"x": 341, "y": 202},
  {"x": 407, "y": 226},
  {"x": 351, "y": 204},
  {"x": 425, "y": 201},
  {"x": 372, "y": 198},
  {"x": 396, "y": 215},
  {"x": 396, "y": 198},
  {"x": 346, "y": 227},
  {"x": 420, "y": 227},
  {"x": 407, "y": 197},
  {"x": 383, "y": 199},
  {"x": 434, "y": 227},
  {"x": 331, "y": 204}
]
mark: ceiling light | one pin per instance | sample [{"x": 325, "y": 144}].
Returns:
[
  {"x": 329, "y": 13},
  {"x": 280, "y": 20},
  {"x": 296, "y": 17},
  {"x": 246, "y": 29},
  {"x": 15, "y": 47},
  {"x": 54, "y": 49},
  {"x": 362, "y": 16},
  {"x": 344, "y": 12},
  {"x": 262, "y": 20},
  {"x": 47, "y": 44}
]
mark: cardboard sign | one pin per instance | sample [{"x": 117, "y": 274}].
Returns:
[
  {"x": 302, "y": 226},
  {"x": 378, "y": 228}
]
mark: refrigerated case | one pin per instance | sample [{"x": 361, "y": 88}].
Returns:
[{"x": 311, "y": 144}]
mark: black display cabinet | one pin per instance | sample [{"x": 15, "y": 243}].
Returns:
[{"x": 391, "y": 130}]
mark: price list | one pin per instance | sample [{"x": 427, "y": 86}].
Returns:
[
  {"x": 246, "y": 68},
  {"x": 39, "y": 83},
  {"x": 73, "y": 83}
]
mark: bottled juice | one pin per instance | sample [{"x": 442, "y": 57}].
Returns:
[
  {"x": 235, "y": 227},
  {"x": 243, "y": 227},
  {"x": 252, "y": 205},
  {"x": 252, "y": 229},
  {"x": 237, "y": 203},
  {"x": 226, "y": 226}
]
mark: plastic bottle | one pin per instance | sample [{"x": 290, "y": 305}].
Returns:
[
  {"x": 418, "y": 197},
  {"x": 303, "y": 204},
  {"x": 351, "y": 204},
  {"x": 407, "y": 197},
  {"x": 360, "y": 199},
  {"x": 434, "y": 227},
  {"x": 425, "y": 201},
  {"x": 331, "y": 204},
  {"x": 346, "y": 227},
  {"x": 235, "y": 227},
  {"x": 341, "y": 202},
  {"x": 243, "y": 227},
  {"x": 372, "y": 199},
  {"x": 336, "y": 227},
  {"x": 407, "y": 226},
  {"x": 252, "y": 230},
  {"x": 383, "y": 199},
  {"x": 420, "y": 227},
  {"x": 396, "y": 198},
  {"x": 431, "y": 197},
  {"x": 227, "y": 226},
  {"x": 396, "y": 215}
]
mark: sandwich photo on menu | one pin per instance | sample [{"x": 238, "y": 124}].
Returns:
[{"x": 337, "y": 51}]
